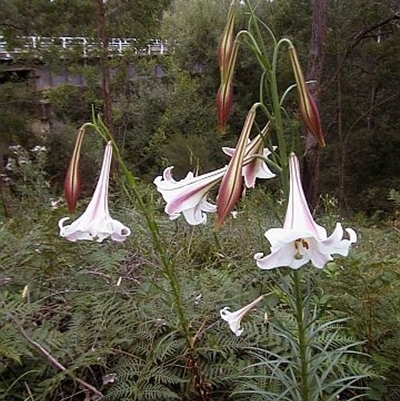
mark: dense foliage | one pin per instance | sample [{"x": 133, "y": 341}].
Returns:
[{"x": 104, "y": 313}]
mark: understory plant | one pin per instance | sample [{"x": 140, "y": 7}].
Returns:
[{"x": 142, "y": 323}]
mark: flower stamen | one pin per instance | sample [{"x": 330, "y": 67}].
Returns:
[{"x": 300, "y": 245}]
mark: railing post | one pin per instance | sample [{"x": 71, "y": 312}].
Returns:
[{"x": 84, "y": 46}]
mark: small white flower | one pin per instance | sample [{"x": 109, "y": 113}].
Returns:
[
  {"x": 15, "y": 148},
  {"x": 55, "y": 203},
  {"x": 25, "y": 292},
  {"x": 39, "y": 149},
  {"x": 109, "y": 378},
  {"x": 234, "y": 318},
  {"x": 23, "y": 160},
  {"x": 198, "y": 299},
  {"x": 10, "y": 166}
]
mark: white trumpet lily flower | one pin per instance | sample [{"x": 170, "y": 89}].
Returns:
[
  {"x": 234, "y": 318},
  {"x": 96, "y": 222},
  {"x": 301, "y": 239},
  {"x": 189, "y": 195}
]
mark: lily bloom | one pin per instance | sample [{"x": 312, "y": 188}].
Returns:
[
  {"x": 257, "y": 168},
  {"x": 301, "y": 239},
  {"x": 234, "y": 318},
  {"x": 95, "y": 222},
  {"x": 189, "y": 195}
]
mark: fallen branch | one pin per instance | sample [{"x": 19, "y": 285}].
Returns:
[{"x": 50, "y": 357}]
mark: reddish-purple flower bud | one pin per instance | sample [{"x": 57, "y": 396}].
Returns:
[
  {"x": 72, "y": 179},
  {"x": 231, "y": 185},
  {"x": 224, "y": 104},
  {"x": 308, "y": 108}
]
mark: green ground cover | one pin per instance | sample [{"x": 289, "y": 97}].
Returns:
[{"x": 105, "y": 314}]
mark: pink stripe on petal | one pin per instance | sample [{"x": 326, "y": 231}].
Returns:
[{"x": 298, "y": 215}]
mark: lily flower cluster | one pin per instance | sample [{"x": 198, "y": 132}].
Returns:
[
  {"x": 300, "y": 241},
  {"x": 189, "y": 195}
]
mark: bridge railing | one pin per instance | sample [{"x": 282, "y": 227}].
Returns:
[{"x": 87, "y": 46}]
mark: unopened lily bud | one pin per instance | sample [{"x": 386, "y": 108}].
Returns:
[
  {"x": 72, "y": 179},
  {"x": 308, "y": 108},
  {"x": 225, "y": 45},
  {"x": 224, "y": 104},
  {"x": 227, "y": 52},
  {"x": 225, "y": 93},
  {"x": 231, "y": 185}
]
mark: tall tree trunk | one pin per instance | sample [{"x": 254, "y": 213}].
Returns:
[
  {"x": 314, "y": 72},
  {"x": 342, "y": 145},
  {"x": 104, "y": 64}
]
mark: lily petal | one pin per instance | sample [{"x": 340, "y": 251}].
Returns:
[
  {"x": 298, "y": 215},
  {"x": 256, "y": 167}
]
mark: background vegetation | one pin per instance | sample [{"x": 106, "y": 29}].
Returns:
[{"x": 170, "y": 115}]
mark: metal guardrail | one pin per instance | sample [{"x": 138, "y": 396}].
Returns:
[{"x": 89, "y": 47}]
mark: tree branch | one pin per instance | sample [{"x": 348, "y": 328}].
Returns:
[
  {"x": 353, "y": 43},
  {"x": 8, "y": 25},
  {"x": 51, "y": 358}
]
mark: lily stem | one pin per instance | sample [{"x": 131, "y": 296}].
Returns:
[
  {"x": 167, "y": 264},
  {"x": 301, "y": 320}
]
